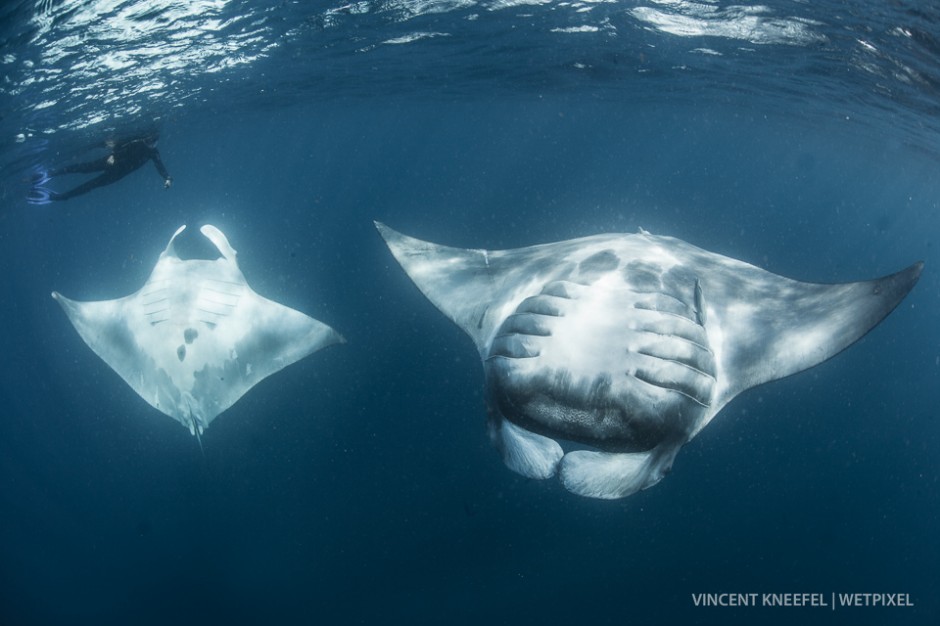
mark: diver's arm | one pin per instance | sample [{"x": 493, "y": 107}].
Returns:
[{"x": 161, "y": 168}]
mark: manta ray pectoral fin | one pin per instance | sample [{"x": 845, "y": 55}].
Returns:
[
  {"x": 524, "y": 452},
  {"x": 459, "y": 282},
  {"x": 769, "y": 327},
  {"x": 610, "y": 475}
]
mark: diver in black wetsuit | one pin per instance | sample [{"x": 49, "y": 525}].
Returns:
[{"x": 124, "y": 158}]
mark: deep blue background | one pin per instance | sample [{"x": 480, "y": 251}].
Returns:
[{"x": 358, "y": 486}]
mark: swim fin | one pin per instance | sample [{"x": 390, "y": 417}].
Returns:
[
  {"x": 40, "y": 196},
  {"x": 40, "y": 177}
]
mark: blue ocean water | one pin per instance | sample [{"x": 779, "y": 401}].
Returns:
[{"x": 358, "y": 485}]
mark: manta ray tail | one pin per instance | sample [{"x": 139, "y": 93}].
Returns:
[
  {"x": 199, "y": 439},
  {"x": 197, "y": 432}
]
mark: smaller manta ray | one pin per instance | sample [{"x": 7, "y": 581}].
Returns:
[
  {"x": 196, "y": 337},
  {"x": 629, "y": 345}
]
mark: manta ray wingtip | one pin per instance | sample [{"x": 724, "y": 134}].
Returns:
[
  {"x": 911, "y": 274},
  {"x": 62, "y": 300},
  {"x": 899, "y": 284},
  {"x": 387, "y": 232},
  {"x": 405, "y": 248},
  {"x": 69, "y": 306}
]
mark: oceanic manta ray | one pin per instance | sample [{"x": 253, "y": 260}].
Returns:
[
  {"x": 195, "y": 338},
  {"x": 626, "y": 346}
]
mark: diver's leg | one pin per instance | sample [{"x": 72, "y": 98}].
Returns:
[
  {"x": 98, "y": 165},
  {"x": 98, "y": 181}
]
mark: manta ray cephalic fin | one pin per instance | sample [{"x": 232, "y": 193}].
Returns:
[{"x": 524, "y": 452}]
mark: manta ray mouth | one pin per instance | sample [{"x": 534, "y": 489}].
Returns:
[
  {"x": 191, "y": 246},
  {"x": 597, "y": 417}
]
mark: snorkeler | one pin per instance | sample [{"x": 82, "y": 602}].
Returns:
[{"x": 125, "y": 157}]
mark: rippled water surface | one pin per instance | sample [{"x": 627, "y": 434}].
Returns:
[{"x": 83, "y": 65}]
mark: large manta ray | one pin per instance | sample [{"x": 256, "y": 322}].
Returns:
[
  {"x": 196, "y": 337},
  {"x": 629, "y": 345}
]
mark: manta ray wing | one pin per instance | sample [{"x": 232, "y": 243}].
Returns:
[
  {"x": 196, "y": 337},
  {"x": 769, "y": 327},
  {"x": 629, "y": 344}
]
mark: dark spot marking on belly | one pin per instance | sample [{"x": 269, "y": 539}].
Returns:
[
  {"x": 598, "y": 263},
  {"x": 679, "y": 282},
  {"x": 643, "y": 276},
  {"x": 190, "y": 334},
  {"x": 181, "y": 352}
]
